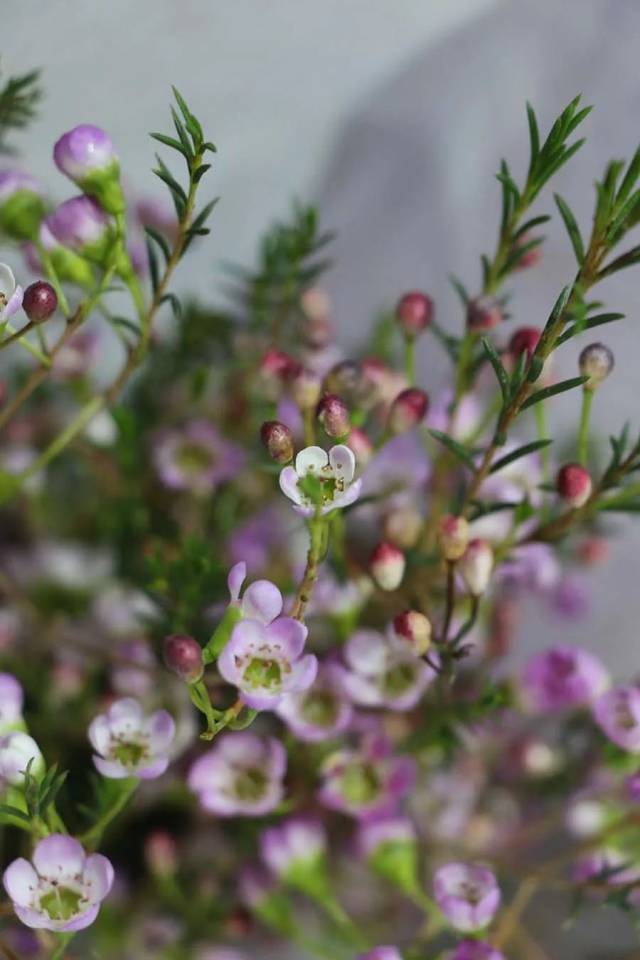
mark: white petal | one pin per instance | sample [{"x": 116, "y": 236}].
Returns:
[
  {"x": 7, "y": 280},
  {"x": 343, "y": 462},
  {"x": 311, "y": 460},
  {"x": 289, "y": 484},
  {"x": 21, "y": 882}
]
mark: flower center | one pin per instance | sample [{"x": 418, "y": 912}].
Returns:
[
  {"x": 470, "y": 893},
  {"x": 264, "y": 674},
  {"x": 250, "y": 785},
  {"x": 624, "y": 717},
  {"x": 398, "y": 679},
  {"x": 321, "y": 487},
  {"x": 61, "y": 903},
  {"x": 320, "y": 708},
  {"x": 360, "y": 784},
  {"x": 129, "y": 753},
  {"x": 194, "y": 458}
]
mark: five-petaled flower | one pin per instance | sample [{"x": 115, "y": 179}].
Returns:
[
  {"x": 241, "y": 775},
  {"x": 383, "y": 671},
  {"x": 18, "y": 753},
  {"x": 367, "y": 781},
  {"x": 11, "y": 293},
  {"x": 320, "y": 480},
  {"x": 130, "y": 744},
  {"x": 467, "y": 894}
]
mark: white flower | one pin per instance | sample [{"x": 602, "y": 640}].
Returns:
[
  {"x": 335, "y": 472},
  {"x": 10, "y": 293},
  {"x": 17, "y": 751}
]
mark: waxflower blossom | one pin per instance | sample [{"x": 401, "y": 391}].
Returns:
[
  {"x": 320, "y": 712},
  {"x": 382, "y": 671},
  {"x": 130, "y": 744},
  {"x": 277, "y": 440},
  {"x": 240, "y": 776},
  {"x": 387, "y": 565},
  {"x": 467, "y": 894},
  {"x": 61, "y": 890},
  {"x": 574, "y": 484},
  {"x": 414, "y": 630},
  {"x": 333, "y": 475},
  {"x": 414, "y": 313},
  {"x": 408, "y": 409},
  {"x": 367, "y": 781},
  {"x": 617, "y": 713},
  {"x": 82, "y": 225},
  {"x": 86, "y": 155},
  {"x": 11, "y": 293},
  {"x": 476, "y": 950},
  {"x": 11, "y": 701},
  {"x": 381, "y": 953},
  {"x": 195, "y": 458},
  {"x": 596, "y": 362},
  {"x": 18, "y": 751},
  {"x": 563, "y": 677},
  {"x": 266, "y": 660},
  {"x": 296, "y": 843}
]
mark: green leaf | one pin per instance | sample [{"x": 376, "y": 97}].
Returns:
[
  {"x": 534, "y": 135},
  {"x": 628, "y": 259},
  {"x": 455, "y": 448},
  {"x": 170, "y": 142},
  {"x": 154, "y": 271},
  {"x": 19, "y": 98},
  {"x": 620, "y": 221},
  {"x": 530, "y": 225},
  {"x": 460, "y": 289},
  {"x": 630, "y": 178},
  {"x": 200, "y": 172},
  {"x": 523, "y": 451},
  {"x": 588, "y": 324},
  {"x": 496, "y": 363},
  {"x": 160, "y": 240},
  {"x": 553, "y": 391},
  {"x": 9, "y": 811},
  {"x": 176, "y": 306},
  {"x": 572, "y": 227}
]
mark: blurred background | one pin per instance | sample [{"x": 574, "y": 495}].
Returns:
[{"x": 393, "y": 117}]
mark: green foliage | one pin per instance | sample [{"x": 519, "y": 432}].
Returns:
[
  {"x": 186, "y": 582},
  {"x": 19, "y": 98}
]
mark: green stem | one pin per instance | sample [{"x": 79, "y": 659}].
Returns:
[
  {"x": 410, "y": 360},
  {"x": 583, "y": 433},
  {"x": 540, "y": 413},
  {"x": 318, "y": 543},
  {"x": 91, "y": 838},
  {"x": 63, "y": 943},
  {"x": 38, "y": 354},
  {"x": 52, "y": 275}
]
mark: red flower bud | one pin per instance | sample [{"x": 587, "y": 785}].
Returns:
[
  {"x": 414, "y": 312},
  {"x": 40, "y": 301},
  {"x": 574, "y": 484},
  {"x": 453, "y": 536},
  {"x": 415, "y": 628},
  {"x": 408, "y": 409},
  {"x": 476, "y": 565},
  {"x": 387, "y": 565},
  {"x": 333, "y": 414},
  {"x": 524, "y": 340},
  {"x": 278, "y": 440},
  {"x": 279, "y": 365},
  {"x": 596, "y": 362},
  {"x": 183, "y": 656},
  {"x": 484, "y": 313}
]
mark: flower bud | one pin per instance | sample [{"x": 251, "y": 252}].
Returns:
[
  {"x": 532, "y": 257},
  {"x": 484, "y": 313},
  {"x": 86, "y": 155},
  {"x": 476, "y": 565},
  {"x": 414, "y": 313},
  {"x": 306, "y": 389},
  {"x": 359, "y": 442},
  {"x": 413, "y": 627},
  {"x": 40, "y": 301},
  {"x": 387, "y": 565},
  {"x": 596, "y": 362},
  {"x": 574, "y": 484},
  {"x": 183, "y": 656},
  {"x": 524, "y": 340},
  {"x": 82, "y": 225},
  {"x": 453, "y": 536},
  {"x": 333, "y": 414},
  {"x": 347, "y": 380},
  {"x": 161, "y": 853},
  {"x": 278, "y": 440},
  {"x": 22, "y": 205},
  {"x": 69, "y": 267},
  {"x": 408, "y": 409},
  {"x": 402, "y": 526}
]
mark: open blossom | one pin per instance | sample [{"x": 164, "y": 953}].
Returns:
[
  {"x": 334, "y": 472},
  {"x": 467, "y": 894},
  {"x": 320, "y": 712},
  {"x": 366, "y": 782},
  {"x": 62, "y": 889},
  {"x": 11, "y": 293},
  {"x": 476, "y": 950},
  {"x": 563, "y": 677},
  {"x": 617, "y": 713},
  {"x": 17, "y": 751},
  {"x": 266, "y": 660},
  {"x": 260, "y": 601},
  {"x": 11, "y": 701},
  {"x": 381, "y": 953},
  {"x": 289, "y": 845},
  {"x": 382, "y": 671},
  {"x": 130, "y": 744},
  {"x": 195, "y": 458},
  {"x": 241, "y": 775}
]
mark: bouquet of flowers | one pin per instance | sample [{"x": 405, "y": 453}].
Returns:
[{"x": 259, "y": 599}]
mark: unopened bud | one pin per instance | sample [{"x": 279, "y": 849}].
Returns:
[
  {"x": 279, "y": 365},
  {"x": 346, "y": 379},
  {"x": 476, "y": 565},
  {"x": 387, "y": 565},
  {"x": 596, "y": 362},
  {"x": 183, "y": 656},
  {"x": 531, "y": 257},
  {"x": 278, "y": 440},
  {"x": 453, "y": 536},
  {"x": 524, "y": 340},
  {"x": 574, "y": 484},
  {"x": 402, "y": 526},
  {"x": 306, "y": 389},
  {"x": 408, "y": 409},
  {"x": 413, "y": 627},
  {"x": 484, "y": 313},
  {"x": 161, "y": 853},
  {"x": 40, "y": 301},
  {"x": 333, "y": 414},
  {"x": 414, "y": 313},
  {"x": 359, "y": 442}
]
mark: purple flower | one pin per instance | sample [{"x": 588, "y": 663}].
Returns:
[
  {"x": 366, "y": 782},
  {"x": 265, "y": 661},
  {"x": 15, "y": 181},
  {"x": 320, "y": 712},
  {"x": 22, "y": 204},
  {"x": 563, "y": 677},
  {"x": 10, "y": 293},
  {"x": 532, "y": 566},
  {"x": 261, "y": 600},
  {"x": 17, "y": 751},
  {"x": 381, "y": 671},
  {"x": 130, "y": 744},
  {"x": 86, "y": 155},
  {"x": 293, "y": 844},
  {"x": 64, "y": 887},
  {"x": 334, "y": 471},
  {"x": 241, "y": 775},
  {"x": 617, "y": 713},
  {"x": 195, "y": 458},
  {"x": 82, "y": 225},
  {"x": 11, "y": 701},
  {"x": 376, "y": 834},
  {"x": 467, "y": 894},
  {"x": 571, "y": 598},
  {"x": 609, "y": 866},
  {"x": 381, "y": 953},
  {"x": 476, "y": 950}
]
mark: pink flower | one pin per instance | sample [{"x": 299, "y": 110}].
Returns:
[
  {"x": 366, "y": 782},
  {"x": 320, "y": 712},
  {"x": 617, "y": 713},
  {"x": 241, "y": 775},
  {"x": 468, "y": 895},
  {"x": 292, "y": 844},
  {"x": 195, "y": 458},
  {"x": 128, "y": 744},
  {"x": 382, "y": 671},
  {"x": 334, "y": 473},
  {"x": 563, "y": 677}
]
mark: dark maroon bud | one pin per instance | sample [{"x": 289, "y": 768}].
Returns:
[
  {"x": 333, "y": 414},
  {"x": 484, "y": 313},
  {"x": 414, "y": 312},
  {"x": 183, "y": 656},
  {"x": 408, "y": 409},
  {"x": 524, "y": 340},
  {"x": 40, "y": 301},
  {"x": 278, "y": 440},
  {"x": 574, "y": 484}
]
